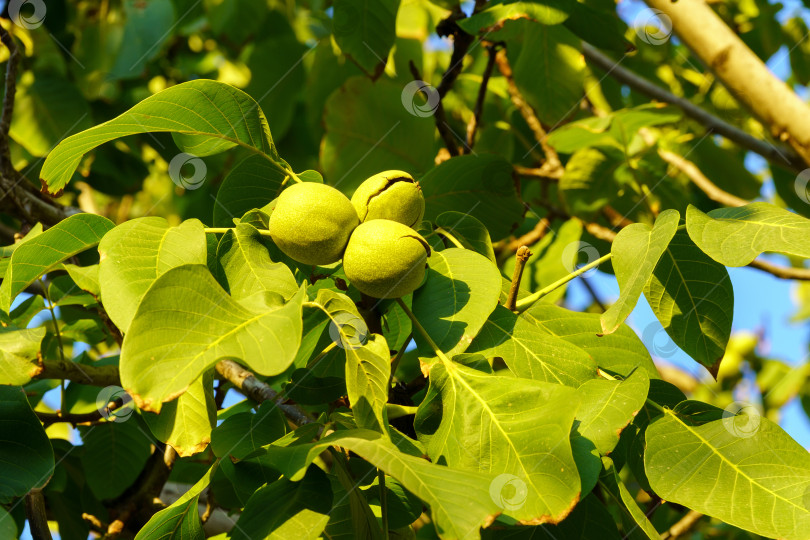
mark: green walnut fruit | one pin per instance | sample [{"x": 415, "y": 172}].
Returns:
[
  {"x": 311, "y": 223},
  {"x": 393, "y": 195},
  {"x": 385, "y": 259}
]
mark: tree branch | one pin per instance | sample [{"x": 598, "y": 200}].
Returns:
[
  {"x": 258, "y": 391},
  {"x": 24, "y": 197},
  {"x": 741, "y": 71},
  {"x": 682, "y": 526},
  {"x": 699, "y": 179},
  {"x": 35, "y": 512},
  {"x": 475, "y": 121},
  {"x": 551, "y": 163},
  {"x": 780, "y": 156},
  {"x": 52, "y": 418},
  {"x": 241, "y": 378},
  {"x": 439, "y": 116}
]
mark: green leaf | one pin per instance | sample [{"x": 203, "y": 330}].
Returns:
[
  {"x": 368, "y": 130},
  {"x": 692, "y": 296},
  {"x": 148, "y": 25},
  {"x": 549, "y": 70},
  {"x": 614, "y": 486},
  {"x": 469, "y": 231},
  {"x": 600, "y": 27},
  {"x": 86, "y": 277},
  {"x": 252, "y": 183},
  {"x": 47, "y": 109},
  {"x": 481, "y": 186},
  {"x": 588, "y": 183},
  {"x": 185, "y": 423},
  {"x": 530, "y": 352},
  {"x": 206, "y": 117},
  {"x": 246, "y": 432},
  {"x": 25, "y": 450},
  {"x": 515, "y": 428},
  {"x": 45, "y": 251},
  {"x": 742, "y": 469},
  {"x": 351, "y": 516},
  {"x": 365, "y": 31},
  {"x": 736, "y": 236},
  {"x": 19, "y": 354},
  {"x": 287, "y": 509},
  {"x": 454, "y": 516},
  {"x": 461, "y": 291},
  {"x": 620, "y": 352},
  {"x": 123, "y": 447},
  {"x": 247, "y": 265},
  {"x": 368, "y": 369},
  {"x": 136, "y": 253},
  {"x": 368, "y": 361},
  {"x": 186, "y": 323},
  {"x": 277, "y": 85},
  {"x": 636, "y": 251},
  {"x": 181, "y": 519},
  {"x": 497, "y": 13},
  {"x": 589, "y": 520},
  {"x": 608, "y": 406}
]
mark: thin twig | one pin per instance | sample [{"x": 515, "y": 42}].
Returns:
[
  {"x": 593, "y": 294},
  {"x": 258, "y": 391},
  {"x": 551, "y": 166},
  {"x": 682, "y": 526},
  {"x": 478, "y": 110},
  {"x": 782, "y": 272},
  {"x": 539, "y": 232},
  {"x": 439, "y": 116},
  {"x": 521, "y": 257},
  {"x": 700, "y": 180},
  {"x": 778, "y": 155},
  {"x": 52, "y": 418}
]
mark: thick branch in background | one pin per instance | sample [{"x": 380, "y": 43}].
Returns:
[
  {"x": 551, "y": 167},
  {"x": 783, "y": 157},
  {"x": 241, "y": 378},
  {"x": 17, "y": 196},
  {"x": 741, "y": 71}
]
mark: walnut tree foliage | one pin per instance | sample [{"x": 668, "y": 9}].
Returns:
[{"x": 206, "y": 384}]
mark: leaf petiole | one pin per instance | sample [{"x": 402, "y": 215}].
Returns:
[
  {"x": 526, "y": 303},
  {"x": 421, "y": 330}
]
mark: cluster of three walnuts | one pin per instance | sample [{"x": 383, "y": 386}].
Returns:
[{"x": 383, "y": 257}]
